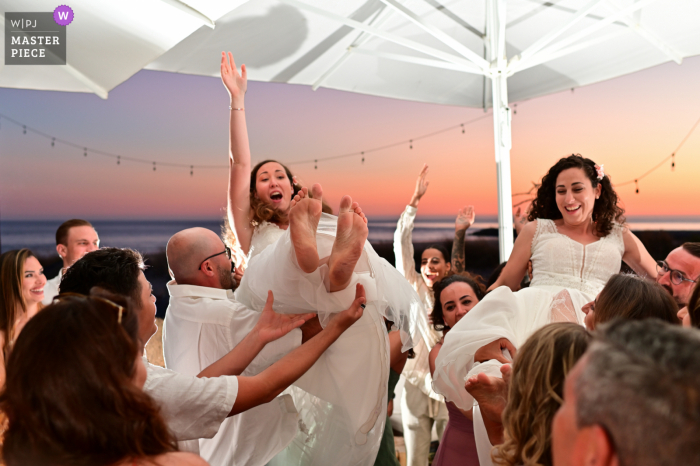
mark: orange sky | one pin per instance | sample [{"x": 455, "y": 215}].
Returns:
[{"x": 628, "y": 124}]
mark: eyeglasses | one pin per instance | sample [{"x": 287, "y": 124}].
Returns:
[
  {"x": 226, "y": 251},
  {"x": 677, "y": 277}
]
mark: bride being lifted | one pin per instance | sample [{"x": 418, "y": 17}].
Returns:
[
  {"x": 312, "y": 262},
  {"x": 576, "y": 240}
]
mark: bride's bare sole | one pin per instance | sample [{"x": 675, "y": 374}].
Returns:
[
  {"x": 350, "y": 238},
  {"x": 304, "y": 215},
  {"x": 491, "y": 394}
]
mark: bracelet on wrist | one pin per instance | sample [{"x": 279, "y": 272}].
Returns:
[{"x": 236, "y": 108}]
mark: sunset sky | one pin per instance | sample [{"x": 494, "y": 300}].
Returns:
[{"x": 628, "y": 124}]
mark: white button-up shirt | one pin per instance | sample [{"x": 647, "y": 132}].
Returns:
[
  {"x": 192, "y": 407},
  {"x": 51, "y": 288},
  {"x": 202, "y": 325}
]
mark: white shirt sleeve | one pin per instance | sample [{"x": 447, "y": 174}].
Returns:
[
  {"x": 192, "y": 407},
  {"x": 51, "y": 289},
  {"x": 403, "y": 245}
]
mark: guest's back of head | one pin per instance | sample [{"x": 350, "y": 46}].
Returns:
[
  {"x": 114, "y": 269},
  {"x": 73, "y": 393},
  {"x": 536, "y": 391},
  {"x": 632, "y": 297},
  {"x": 640, "y": 381}
]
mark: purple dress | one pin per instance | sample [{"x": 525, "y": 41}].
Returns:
[{"x": 457, "y": 446}]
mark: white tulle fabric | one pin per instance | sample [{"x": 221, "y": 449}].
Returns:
[
  {"x": 566, "y": 276},
  {"x": 342, "y": 399}
]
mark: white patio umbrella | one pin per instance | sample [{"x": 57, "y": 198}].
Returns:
[{"x": 475, "y": 53}]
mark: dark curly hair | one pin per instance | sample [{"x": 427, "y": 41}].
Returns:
[
  {"x": 70, "y": 397},
  {"x": 606, "y": 210},
  {"x": 263, "y": 212},
  {"x": 475, "y": 281}
]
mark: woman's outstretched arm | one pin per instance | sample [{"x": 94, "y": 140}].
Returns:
[
  {"x": 238, "y": 206},
  {"x": 465, "y": 219},
  {"x": 403, "y": 236},
  {"x": 637, "y": 256}
]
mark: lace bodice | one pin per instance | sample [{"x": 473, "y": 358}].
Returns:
[
  {"x": 263, "y": 235},
  {"x": 558, "y": 260}
]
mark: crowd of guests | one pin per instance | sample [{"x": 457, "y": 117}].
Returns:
[{"x": 558, "y": 360}]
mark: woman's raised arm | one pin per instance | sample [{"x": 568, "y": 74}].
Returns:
[
  {"x": 637, "y": 256},
  {"x": 238, "y": 206}
]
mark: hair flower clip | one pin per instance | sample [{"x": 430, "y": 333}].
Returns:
[{"x": 599, "y": 170}]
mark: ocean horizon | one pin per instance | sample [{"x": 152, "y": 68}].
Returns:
[{"x": 151, "y": 236}]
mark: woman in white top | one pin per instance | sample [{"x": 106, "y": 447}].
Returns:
[
  {"x": 309, "y": 267},
  {"x": 576, "y": 240}
]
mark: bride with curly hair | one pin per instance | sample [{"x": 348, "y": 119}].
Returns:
[{"x": 576, "y": 239}]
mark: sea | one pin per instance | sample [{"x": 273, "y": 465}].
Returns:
[{"x": 151, "y": 236}]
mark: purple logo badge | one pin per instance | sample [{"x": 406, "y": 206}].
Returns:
[{"x": 63, "y": 15}]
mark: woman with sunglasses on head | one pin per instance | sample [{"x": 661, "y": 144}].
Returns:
[
  {"x": 74, "y": 391},
  {"x": 22, "y": 283},
  {"x": 312, "y": 261},
  {"x": 576, "y": 240}
]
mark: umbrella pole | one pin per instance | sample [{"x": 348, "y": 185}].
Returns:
[{"x": 496, "y": 10}]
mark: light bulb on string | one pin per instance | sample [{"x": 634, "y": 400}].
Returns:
[
  {"x": 85, "y": 152},
  {"x": 673, "y": 161},
  {"x": 191, "y": 170},
  {"x": 24, "y": 129},
  {"x": 315, "y": 164},
  {"x": 410, "y": 144},
  {"x": 636, "y": 185},
  {"x": 363, "y": 156},
  {"x": 462, "y": 128},
  {"x": 53, "y": 142},
  {"x": 154, "y": 166},
  {"x": 515, "y": 109},
  {"x": 119, "y": 159}
]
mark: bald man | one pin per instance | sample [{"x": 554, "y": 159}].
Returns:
[{"x": 204, "y": 322}]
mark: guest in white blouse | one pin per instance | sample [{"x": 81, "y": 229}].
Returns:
[
  {"x": 195, "y": 407},
  {"x": 74, "y": 239}
]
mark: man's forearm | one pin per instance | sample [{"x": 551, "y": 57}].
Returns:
[{"x": 236, "y": 360}]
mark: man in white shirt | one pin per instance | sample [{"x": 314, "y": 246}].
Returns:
[
  {"x": 74, "y": 239},
  {"x": 204, "y": 322},
  {"x": 195, "y": 407}
]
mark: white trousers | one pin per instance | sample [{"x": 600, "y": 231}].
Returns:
[{"x": 418, "y": 413}]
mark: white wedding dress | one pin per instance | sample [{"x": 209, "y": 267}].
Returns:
[
  {"x": 566, "y": 276},
  {"x": 342, "y": 399}
]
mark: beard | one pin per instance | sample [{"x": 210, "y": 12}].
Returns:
[{"x": 226, "y": 280}]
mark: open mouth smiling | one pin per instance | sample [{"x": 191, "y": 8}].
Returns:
[{"x": 276, "y": 196}]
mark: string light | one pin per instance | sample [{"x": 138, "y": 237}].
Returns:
[
  {"x": 315, "y": 164},
  {"x": 636, "y": 185},
  {"x": 119, "y": 158},
  {"x": 673, "y": 161},
  {"x": 53, "y": 142},
  {"x": 363, "y": 156},
  {"x": 411, "y": 144},
  {"x": 24, "y": 131},
  {"x": 462, "y": 128},
  {"x": 85, "y": 152},
  {"x": 154, "y": 166}
]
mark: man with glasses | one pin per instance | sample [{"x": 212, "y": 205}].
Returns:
[
  {"x": 680, "y": 271},
  {"x": 203, "y": 323}
]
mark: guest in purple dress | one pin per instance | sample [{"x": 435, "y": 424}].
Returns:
[{"x": 454, "y": 297}]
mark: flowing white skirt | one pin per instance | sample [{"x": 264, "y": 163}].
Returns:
[
  {"x": 342, "y": 399},
  {"x": 501, "y": 314}
]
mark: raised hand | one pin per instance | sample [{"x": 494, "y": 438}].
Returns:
[
  {"x": 421, "y": 186},
  {"x": 351, "y": 315},
  {"x": 236, "y": 84},
  {"x": 494, "y": 350},
  {"x": 465, "y": 218},
  {"x": 272, "y": 325},
  {"x": 519, "y": 220}
]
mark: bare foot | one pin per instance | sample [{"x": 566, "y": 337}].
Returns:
[
  {"x": 492, "y": 394},
  {"x": 303, "y": 221},
  {"x": 349, "y": 241}
]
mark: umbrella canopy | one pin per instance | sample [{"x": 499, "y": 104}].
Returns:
[
  {"x": 476, "y": 53},
  {"x": 106, "y": 43}
]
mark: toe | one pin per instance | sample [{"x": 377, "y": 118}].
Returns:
[
  {"x": 345, "y": 204},
  {"x": 317, "y": 191}
]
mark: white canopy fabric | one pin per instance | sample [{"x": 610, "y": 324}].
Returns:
[{"x": 475, "y": 53}]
